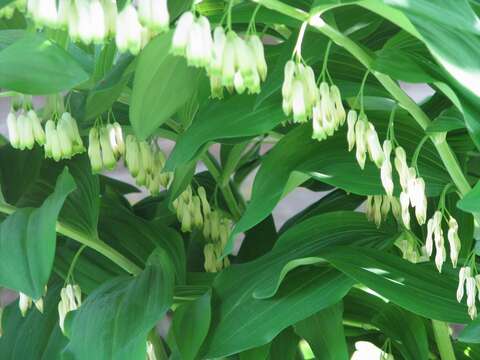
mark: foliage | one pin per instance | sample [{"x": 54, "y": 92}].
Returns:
[{"x": 291, "y": 93}]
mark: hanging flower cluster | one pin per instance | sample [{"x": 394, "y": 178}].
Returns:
[
  {"x": 303, "y": 99},
  {"x": 145, "y": 162},
  {"x": 469, "y": 283},
  {"x": 7, "y": 11},
  {"x": 95, "y": 21},
  {"x": 62, "y": 139},
  {"x": 70, "y": 300},
  {"x": 231, "y": 61},
  {"x": 194, "y": 212},
  {"x": 105, "y": 146},
  {"x": 379, "y": 206},
  {"x": 25, "y": 303},
  {"x": 435, "y": 236},
  {"x": 24, "y": 129}
]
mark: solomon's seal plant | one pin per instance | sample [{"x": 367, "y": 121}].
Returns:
[{"x": 149, "y": 150}]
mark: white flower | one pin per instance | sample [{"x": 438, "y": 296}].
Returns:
[
  {"x": 24, "y": 303},
  {"x": 360, "y": 140},
  {"x": 99, "y": 27},
  {"x": 386, "y": 168},
  {"x": 462, "y": 276},
  {"x": 182, "y": 33},
  {"x": 401, "y": 166},
  {"x": 429, "y": 239},
  {"x": 373, "y": 145},
  {"x": 351, "y": 120},
  {"x": 453, "y": 240},
  {"x": 129, "y": 30},
  {"x": 404, "y": 203},
  {"x": 13, "y": 131}
]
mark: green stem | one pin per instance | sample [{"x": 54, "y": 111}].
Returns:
[
  {"x": 93, "y": 243},
  {"x": 444, "y": 150},
  {"x": 442, "y": 337},
  {"x": 226, "y": 189}
]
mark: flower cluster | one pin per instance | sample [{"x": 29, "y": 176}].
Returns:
[
  {"x": 94, "y": 21},
  {"x": 408, "y": 244},
  {"x": 362, "y": 135},
  {"x": 105, "y": 146},
  {"x": 70, "y": 299},
  {"x": 231, "y": 61},
  {"x": 379, "y": 206},
  {"x": 25, "y": 303},
  {"x": 413, "y": 189},
  {"x": 435, "y": 235},
  {"x": 470, "y": 284},
  {"x": 24, "y": 129},
  {"x": 62, "y": 139},
  {"x": 145, "y": 162},
  {"x": 7, "y": 11},
  {"x": 194, "y": 212}
]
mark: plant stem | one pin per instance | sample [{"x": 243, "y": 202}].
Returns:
[
  {"x": 446, "y": 154},
  {"x": 93, "y": 243},
  {"x": 442, "y": 337},
  {"x": 226, "y": 189}
]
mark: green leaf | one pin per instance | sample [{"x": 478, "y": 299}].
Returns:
[
  {"x": 114, "y": 321},
  {"x": 27, "y": 242},
  {"x": 324, "y": 333},
  {"x": 35, "y": 336},
  {"x": 187, "y": 337},
  {"x": 471, "y": 201},
  {"x": 241, "y": 291},
  {"x": 471, "y": 333},
  {"x": 107, "y": 91},
  {"x": 118, "y": 225},
  {"x": 285, "y": 346},
  {"x": 305, "y": 290},
  {"x": 418, "y": 288},
  {"x": 232, "y": 118},
  {"x": 35, "y": 65},
  {"x": 17, "y": 179},
  {"x": 162, "y": 84}
]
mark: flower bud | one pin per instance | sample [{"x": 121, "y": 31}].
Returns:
[
  {"x": 429, "y": 239},
  {"x": 47, "y": 13},
  {"x": 99, "y": 27},
  {"x": 94, "y": 150},
  {"x": 108, "y": 158},
  {"x": 374, "y": 148},
  {"x": 385, "y": 206},
  {"x": 38, "y": 132},
  {"x": 228, "y": 61},
  {"x": 24, "y": 303},
  {"x": 404, "y": 203},
  {"x": 401, "y": 166},
  {"x": 65, "y": 141},
  {"x": 182, "y": 33},
  {"x": 52, "y": 142},
  {"x": 216, "y": 63},
  {"x": 85, "y": 22},
  {"x": 351, "y": 120},
  {"x": 239, "y": 83},
  {"x": 471, "y": 290},
  {"x": 462, "y": 276},
  {"x": 197, "y": 212},
  {"x": 298, "y": 102},
  {"x": 25, "y": 130},
  {"x": 360, "y": 140},
  {"x": 287, "y": 86},
  {"x": 146, "y": 155},
  {"x": 132, "y": 155},
  {"x": 244, "y": 59},
  {"x": 210, "y": 259},
  {"x": 453, "y": 240},
  {"x": 13, "y": 131},
  {"x": 160, "y": 18},
  {"x": 256, "y": 46}
]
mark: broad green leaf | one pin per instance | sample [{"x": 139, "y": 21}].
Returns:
[
  {"x": 35, "y": 65},
  {"x": 241, "y": 290},
  {"x": 18, "y": 171},
  {"x": 232, "y": 118},
  {"x": 114, "y": 321},
  {"x": 471, "y": 333},
  {"x": 35, "y": 336},
  {"x": 27, "y": 242},
  {"x": 418, "y": 288},
  {"x": 304, "y": 290},
  {"x": 324, "y": 333},
  {"x": 471, "y": 201},
  {"x": 285, "y": 346},
  {"x": 81, "y": 209},
  {"x": 162, "y": 84},
  {"x": 190, "y": 326},
  {"x": 9, "y": 36},
  {"x": 106, "y": 92},
  {"x": 119, "y": 226}
]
